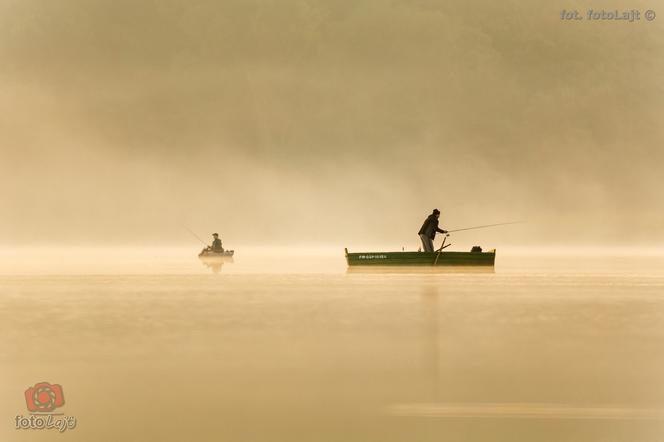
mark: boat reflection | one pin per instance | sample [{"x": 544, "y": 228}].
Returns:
[
  {"x": 215, "y": 263},
  {"x": 421, "y": 269},
  {"x": 430, "y": 303}
]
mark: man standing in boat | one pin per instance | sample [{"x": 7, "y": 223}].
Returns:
[
  {"x": 216, "y": 244},
  {"x": 428, "y": 230}
]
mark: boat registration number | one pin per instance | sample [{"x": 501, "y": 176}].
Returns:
[{"x": 372, "y": 257}]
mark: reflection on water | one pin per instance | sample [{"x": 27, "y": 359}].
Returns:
[
  {"x": 420, "y": 269},
  {"x": 430, "y": 300},
  {"x": 215, "y": 263},
  {"x": 541, "y": 349},
  {"x": 526, "y": 411}
]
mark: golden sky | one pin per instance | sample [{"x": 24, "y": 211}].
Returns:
[{"x": 327, "y": 121}]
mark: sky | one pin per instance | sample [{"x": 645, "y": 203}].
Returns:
[{"x": 328, "y": 122}]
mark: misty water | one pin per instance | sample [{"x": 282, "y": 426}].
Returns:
[{"x": 154, "y": 345}]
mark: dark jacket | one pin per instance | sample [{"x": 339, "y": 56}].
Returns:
[
  {"x": 216, "y": 245},
  {"x": 430, "y": 227}
]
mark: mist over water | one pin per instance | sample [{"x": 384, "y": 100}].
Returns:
[
  {"x": 325, "y": 121},
  {"x": 326, "y": 260}
]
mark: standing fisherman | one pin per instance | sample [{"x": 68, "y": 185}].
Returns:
[{"x": 428, "y": 230}]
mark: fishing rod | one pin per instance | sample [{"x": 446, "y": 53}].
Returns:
[
  {"x": 482, "y": 227},
  {"x": 195, "y": 236},
  {"x": 443, "y": 245}
]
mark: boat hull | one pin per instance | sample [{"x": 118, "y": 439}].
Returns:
[
  {"x": 207, "y": 254},
  {"x": 421, "y": 259}
]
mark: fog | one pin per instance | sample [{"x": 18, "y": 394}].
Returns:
[{"x": 327, "y": 122}]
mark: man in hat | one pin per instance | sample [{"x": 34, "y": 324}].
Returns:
[
  {"x": 216, "y": 244},
  {"x": 428, "y": 231}
]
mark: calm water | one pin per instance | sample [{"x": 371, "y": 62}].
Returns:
[{"x": 153, "y": 346}]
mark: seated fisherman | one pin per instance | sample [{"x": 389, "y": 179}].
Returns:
[
  {"x": 216, "y": 244},
  {"x": 428, "y": 230}
]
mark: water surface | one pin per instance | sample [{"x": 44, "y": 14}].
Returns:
[{"x": 155, "y": 346}]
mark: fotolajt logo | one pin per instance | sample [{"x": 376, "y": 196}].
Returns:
[
  {"x": 42, "y": 400},
  {"x": 44, "y": 397}
]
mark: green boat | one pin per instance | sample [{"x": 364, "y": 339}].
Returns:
[{"x": 423, "y": 259}]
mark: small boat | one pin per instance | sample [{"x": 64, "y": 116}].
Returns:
[
  {"x": 210, "y": 254},
  {"x": 438, "y": 258}
]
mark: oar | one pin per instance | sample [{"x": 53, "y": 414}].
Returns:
[
  {"x": 482, "y": 227},
  {"x": 442, "y": 246}
]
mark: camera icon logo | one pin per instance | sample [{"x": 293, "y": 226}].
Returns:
[{"x": 44, "y": 397}]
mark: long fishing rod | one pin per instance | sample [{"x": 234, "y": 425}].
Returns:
[
  {"x": 195, "y": 236},
  {"x": 482, "y": 227}
]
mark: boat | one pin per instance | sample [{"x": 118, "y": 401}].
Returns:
[
  {"x": 210, "y": 254},
  {"x": 423, "y": 259}
]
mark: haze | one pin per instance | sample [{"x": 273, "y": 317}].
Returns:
[{"x": 330, "y": 122}]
